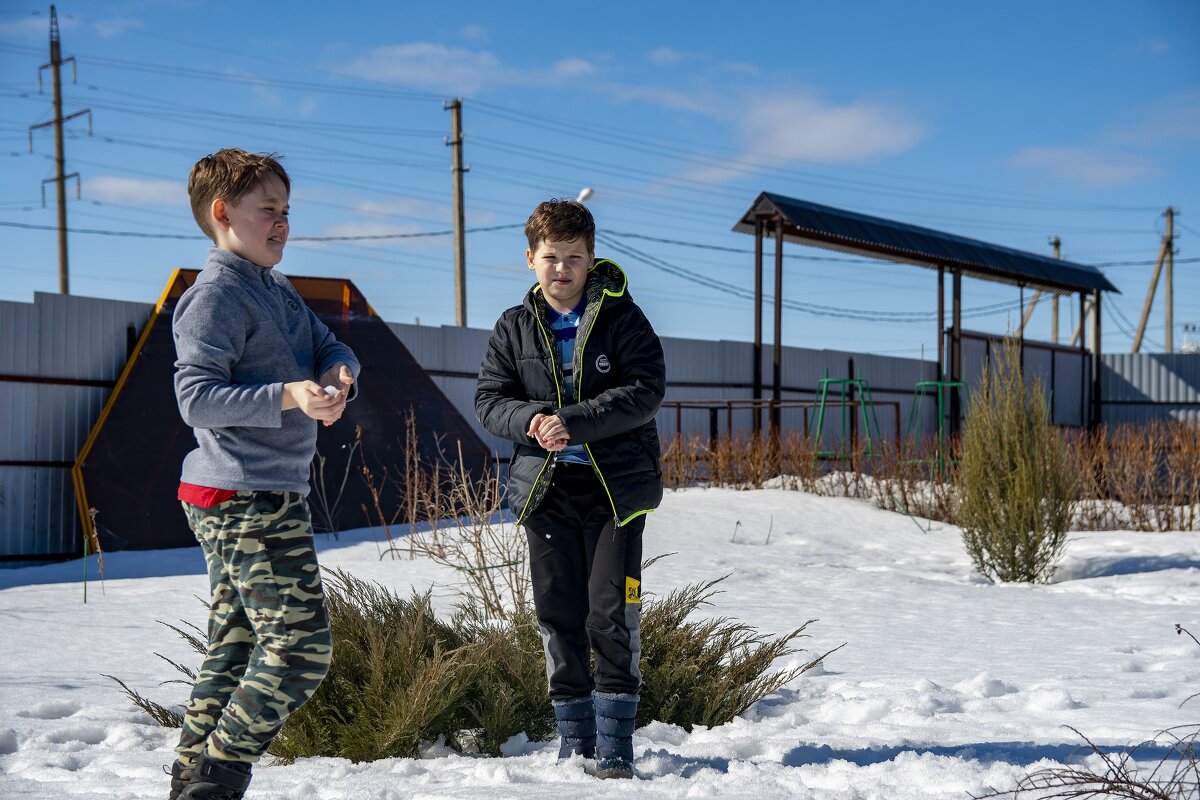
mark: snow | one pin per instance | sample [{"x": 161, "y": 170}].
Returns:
[{"x": 946, "y": 685}]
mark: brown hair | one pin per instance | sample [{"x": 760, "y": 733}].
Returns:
[
  {"x": 229, "y": 175},
  {"x": 561, "y": 221}
]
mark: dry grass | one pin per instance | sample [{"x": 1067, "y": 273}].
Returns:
[{"x": 1131, "y": 477}]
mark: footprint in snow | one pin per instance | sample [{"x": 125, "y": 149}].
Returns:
[{"x": 52, "y": 709}]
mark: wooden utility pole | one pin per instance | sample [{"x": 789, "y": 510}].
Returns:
[
  {"x": 1164, "y": 253},
  {"x": 1085, "y": 313},
  {"x": 60, "y": 177},
  {"x": 460, "y": 243},
  {"x": 1037, "y": 295}
]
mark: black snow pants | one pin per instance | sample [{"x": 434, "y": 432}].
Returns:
[{"x": 586, "y": 572}]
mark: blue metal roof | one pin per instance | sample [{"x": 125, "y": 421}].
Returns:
[{"x": 851, "y": 232}]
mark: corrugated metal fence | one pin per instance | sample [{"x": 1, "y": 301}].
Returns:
[
  {"x": 60, "y": 356},
  {"x": 59, "y": 359},
  {"x": 1146, "y": 386}
]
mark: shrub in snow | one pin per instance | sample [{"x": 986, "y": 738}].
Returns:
[
  {"x": 706, "y": 672},
  {"x": 401, "y": 676},
  {"x": 1015, "y": 484}
]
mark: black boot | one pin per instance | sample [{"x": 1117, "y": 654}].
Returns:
[
  {"x": 576, "y": 727},
  {"x": 179, "y": 779},
  {"x": 217, "y": 779},
  {"x": 616, "y": 715}
]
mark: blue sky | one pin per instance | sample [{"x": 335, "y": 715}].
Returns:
[{"x": 1008, "y": 122}]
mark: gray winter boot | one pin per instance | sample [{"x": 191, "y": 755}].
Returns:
[
  {"x": 576, "y": 727},
  {"x": 217, "y": 779},
  {"x": 616, "y": 715},
  {"x": 179, "y": 779}
]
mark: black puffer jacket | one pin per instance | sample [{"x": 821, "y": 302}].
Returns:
[{"x": 620, "y": 378}]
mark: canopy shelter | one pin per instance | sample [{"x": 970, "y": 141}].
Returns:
[{"x": 789, "y": 219}]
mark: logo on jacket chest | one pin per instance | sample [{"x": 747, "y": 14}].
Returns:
[{"x": 602, "y": 363}]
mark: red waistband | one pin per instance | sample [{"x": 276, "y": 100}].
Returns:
[{"x": 204, "y": 496}]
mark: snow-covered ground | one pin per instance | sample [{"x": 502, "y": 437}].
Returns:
[{"x": 947, "y": 684}]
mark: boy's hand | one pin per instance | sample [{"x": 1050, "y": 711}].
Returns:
[
  {"x": 549, "y": 431},
  {"x": 340, "y": 377},
  {"x": 310, "y": 397}
]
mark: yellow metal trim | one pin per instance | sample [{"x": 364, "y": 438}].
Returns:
[{"x": 77, "y": 468}]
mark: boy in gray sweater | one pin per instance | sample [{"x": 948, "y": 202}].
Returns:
[{"x": 256, "y": 371}]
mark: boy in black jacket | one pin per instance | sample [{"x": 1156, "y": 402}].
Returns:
[{"x": 574, "y": 376}]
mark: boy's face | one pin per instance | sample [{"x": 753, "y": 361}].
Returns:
[
  {"x": 561, "y": 269},
  {"x": 256, "y": 227}
]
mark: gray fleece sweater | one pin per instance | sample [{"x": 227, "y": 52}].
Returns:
[{"x": 241, "y": 332}]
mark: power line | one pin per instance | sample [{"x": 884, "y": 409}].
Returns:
[
  {"x": 807, "y": 308},
  {"x": 653, "y": 146},
  {"x": 1192, "y": 231},
  {"x": 359, "y": 238}
]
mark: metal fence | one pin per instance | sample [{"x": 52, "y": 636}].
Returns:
[
  {"x": 61, "y": 355},
  {"x": 699, "y": 371},
  {"x": 1150, "y": 386},
  {"x": 59, "y": 359}
]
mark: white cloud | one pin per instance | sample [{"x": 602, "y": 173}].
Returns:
[
  {"x": 403, "y": 207},
  {"x": 476, "y": 33},
  {"x": 1168, "y": 120},
  {"x": 1088, "y": 167},
  {"x": 34, "y": 26},
  {"x": 307, "y": 106},
  {"x": 370, "y": 229},
  {"x": 666, "y": 56},
  {"x": 431, "y": 66},
  {"x": 265, "y": 95},
  {"x": 572, "y": 68},
  {"x": 457, "y": 70},
  {"x": 802, "y": 127},
  {"x": 736, "y": 68},
  {"x": 659, "y": 96},
  {"x": 135, "y": 191},
  {"x": 107, "y": 28}
]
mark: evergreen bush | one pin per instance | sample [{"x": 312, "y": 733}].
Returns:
[
  {"x": 400, "y": 676},
  {"x": 706, "y": 672},
  {"x": 1015, "y": 483}
]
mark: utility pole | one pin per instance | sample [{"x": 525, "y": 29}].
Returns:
[
  {"x": 1037, "y": 296},
  {"x": 1164, "y": 253},
  {"x": 60, "y": 178},
  {"x": 1169, "y": 316},
  {"x": 460, "y": 243},
  {"x": 1056, "y": 243},
  {"x": 1085, "y": 313}
]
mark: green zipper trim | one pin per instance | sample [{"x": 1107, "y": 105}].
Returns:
[
  {"x": 579, "y": 394},
  {"x": 634, "y": 516},
  {"x": 600, "y": 475},
  {"x": 525, "y": 510}
]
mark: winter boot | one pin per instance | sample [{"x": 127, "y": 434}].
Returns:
[
  {"x": 616, "y": 715},
  {"x": 180, "y": 776},
  {"x": 576, "y": 727},
  {"x": 217, "y": 779}
]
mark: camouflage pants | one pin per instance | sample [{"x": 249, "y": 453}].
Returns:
[{"x": 269, "y": 643}]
